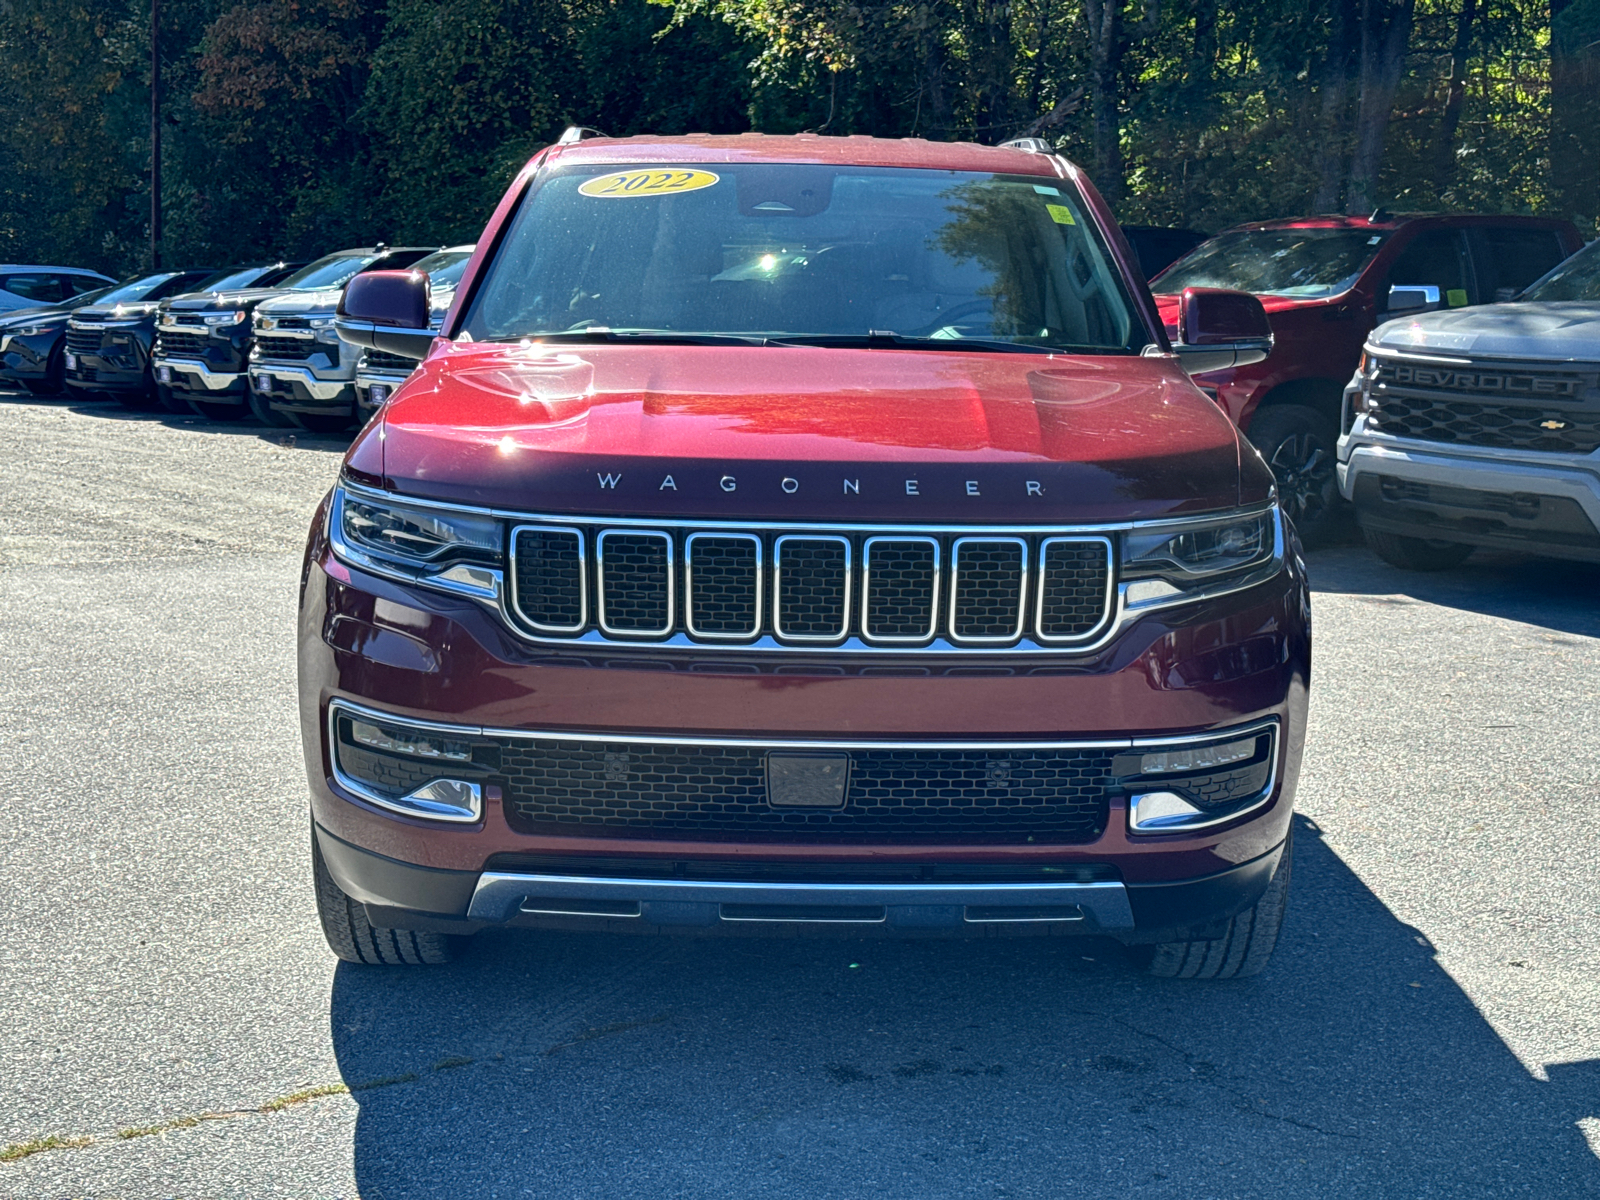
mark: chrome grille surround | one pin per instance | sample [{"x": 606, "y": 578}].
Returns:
[
  {"x": 501, "y": 594},
  {"x": 580, "y": 565},
  {"x": 868, "y": 611},
  {"x": 989, "y": 586},
  {"x": 694, "y": 595},
  {"x": 792, "y": 601},
  {"x": 627, "y": 600}
]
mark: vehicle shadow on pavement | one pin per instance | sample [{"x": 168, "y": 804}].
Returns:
[
  {"x": 245, "y": 426},
  {"x": 579, "y": 1065},
  {"x": 1552, "y": 593}
]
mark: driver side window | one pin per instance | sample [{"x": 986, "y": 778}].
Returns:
[{"x": 1435, "y": 258}]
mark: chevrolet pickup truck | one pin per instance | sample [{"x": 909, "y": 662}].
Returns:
[
  {"x": 803, "y": 534},
  {"x": 1326, "y": 282},
  {"x": 1480, "y": 427}
]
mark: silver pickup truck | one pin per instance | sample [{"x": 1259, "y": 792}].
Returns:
[
  {"x": 378, "y": 374},
  {"x": 1481, "y": 426}
]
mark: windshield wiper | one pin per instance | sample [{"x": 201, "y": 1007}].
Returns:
[
  {"x": 657, "y": 337},
  {"x": 886, "y": 339}
]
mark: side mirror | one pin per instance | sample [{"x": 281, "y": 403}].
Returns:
[
  {"x": 1412, "y": 298},
  {"x": 388, "y": 311},
  {"x": 1218, "y": 328}
]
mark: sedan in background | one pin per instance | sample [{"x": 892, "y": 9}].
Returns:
[
  {"x": 37, "y": 287},
  {"x": 31, "y": 349}
]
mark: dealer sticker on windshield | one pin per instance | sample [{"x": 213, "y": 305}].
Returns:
[{"x": 646, "y": 183}]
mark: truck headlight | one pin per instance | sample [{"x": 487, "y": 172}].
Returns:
[
  {"x": 223, "y": 321},
  {"x": 1170, "y": 563},
  {"x": 440, "y": 547}
]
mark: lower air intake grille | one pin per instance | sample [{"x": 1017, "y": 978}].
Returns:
[{"x": 720, "y": 793}]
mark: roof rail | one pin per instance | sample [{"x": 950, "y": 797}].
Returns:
[
  {"x": 1031, "y": 145},
  {"x": 577, "y": 133}
]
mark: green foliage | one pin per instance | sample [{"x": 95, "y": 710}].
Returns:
[{"x": 297, "y": 126}]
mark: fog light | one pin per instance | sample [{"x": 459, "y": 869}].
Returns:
[
  {"x": 419, "y": 745},
  {"x": 1196, "y": 758},
  {"x": 446, "y": 799},
  {"x": 1158, "y": 812}
]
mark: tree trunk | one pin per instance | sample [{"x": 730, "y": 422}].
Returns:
[
  {"x": 1105, "y": 60},
  {"x": 1335, "y": 96},
  {"x": 1383, "y": 58},
  {"x": 1455, "y": 103}
]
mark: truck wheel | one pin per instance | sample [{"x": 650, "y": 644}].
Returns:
[
  {"x": 55, "y": 373},
  {"x": 265, "y": 413},
  {"x": 1416, "y": 554},
  {"x": 355, "y": 939},
  {"x": 322, "y": 422},
  {"x": 171, "y": 401},
  {"x": 1300, "y": 444},
  {"x": 1246, "y": 947}
]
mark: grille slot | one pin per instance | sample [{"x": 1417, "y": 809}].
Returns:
[
  {"x": 83, "y": 341},
  {"x": 381, "y": 360},
  {"x": 635, "y": 582},
  {"x": 547, "y": 579},
  {"x": 988, "y": 587},
  {"x": 813, "y": 588},
  {"x": 724, "y": 584},
  {"x": 719, "y": 792},
  {"x": 1074, "y": 587},
  {"x": 290, "y": 348},
  {"x": 178, "y": 342},
  {"x": 900, "y": 589}
]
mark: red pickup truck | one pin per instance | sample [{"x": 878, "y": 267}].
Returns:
[{"x": 1326, "y": 282}]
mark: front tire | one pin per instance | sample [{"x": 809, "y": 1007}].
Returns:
[
  {"x": 355, "y": 939},
  {"x": 265, "y": 413},
  {"x": 55, "y": 374},
  {"x": 1416, "y": 554},
  {"x": 1246, "y": 945},
  {"x": 1300, "y": 444}
]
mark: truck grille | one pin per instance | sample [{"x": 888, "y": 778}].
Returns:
[
  {"x": 1487, "y": 404},
  {"x": 291, "y": 348},
  {"x": 379, "y": 360},
  {"x": 177, "y": 343},
  {"x": 952, "y": 590},
  {"x": 83, "y": 341},
  {"x": 719, "y": 792}
]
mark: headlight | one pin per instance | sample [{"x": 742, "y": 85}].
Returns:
[
  {"x": 223, "y": 319},
  {"x": 322, "y": 322},
  {"x": 29, "y": 331},
  {"x": 1169, "y": 563},
  {"x": 456, "y": 551}
]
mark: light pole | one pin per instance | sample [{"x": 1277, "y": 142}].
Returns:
[{"x": 155, "y": 135}]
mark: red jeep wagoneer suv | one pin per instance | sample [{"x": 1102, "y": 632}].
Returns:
[{"x": 803, "y": 531}]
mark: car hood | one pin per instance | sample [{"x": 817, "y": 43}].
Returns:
[
  {"x": 13, "y": 317},
  {"x": 138, "y": 310},
  {"x": 211, "y": 301},
  {"x": 301, "y": 302},
  {"x": 808, "y": 432},
  {"x": 1556, "y": 332}
]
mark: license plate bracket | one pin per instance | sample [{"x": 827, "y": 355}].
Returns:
[{"x": 808, "y": 779}]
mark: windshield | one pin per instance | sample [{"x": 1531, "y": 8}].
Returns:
[
  {"x": 334, "y": 271},
  {"x": 1578, "y": 278},
  {"x": 444, "y": 268},
  {"x": 230, "y": 281},
  {"x": 790, "y": 250},
  {"x": 140, "y": 287},
  {"x": 1304, "y": 263}
]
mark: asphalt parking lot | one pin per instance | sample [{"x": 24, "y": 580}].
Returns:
[{"x": 1429, "y": 1028}]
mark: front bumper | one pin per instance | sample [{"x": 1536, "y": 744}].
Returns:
[
  {"x": 368, "y": 400},
  {"x": 26, "y": 360},
  {"x": 201, "y": 380},
  {"x": 1517, "y": 500},
  {"x": 375, "y": 643},
  {"x": 292, "y": 388},
  {"x": 106, "y": 373}
]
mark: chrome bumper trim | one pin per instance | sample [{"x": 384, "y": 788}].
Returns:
[
  {"x": 500, "y": 896},
  {"x": 214, "y": 381},
  {"x": 317, "y": 388}
]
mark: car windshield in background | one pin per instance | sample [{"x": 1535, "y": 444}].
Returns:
[
  {"x": 142, "y": 287},
  {"x": 445, "y": 268},
  {"x": 231, "y": 281},
  {"x": 1303, "y": 263},
  {"x": 791, "y": 251},
  {"x": 334, "y": 271},
  {"x": 1578, "y": 278}
]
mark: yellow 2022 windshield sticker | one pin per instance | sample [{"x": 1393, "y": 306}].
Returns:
[{"x": 647, "y": 183}]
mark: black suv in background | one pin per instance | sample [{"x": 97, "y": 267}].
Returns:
[
  {"x": 109, "y": 343},
  {"x": 31, "y": 351},
  {"x": 203, "y": 349}
]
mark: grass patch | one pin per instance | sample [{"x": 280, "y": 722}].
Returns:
[
  {"x": 385, "y": 1081},
  {"x": 589, "y": 1035},
  {"x": 15, "y": 1150},
  {"x": 293, "y": 1098},
  {"x": 139, "y": 1131}
]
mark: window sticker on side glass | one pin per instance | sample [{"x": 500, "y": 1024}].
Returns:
[{"x": 623, "y": 184}]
